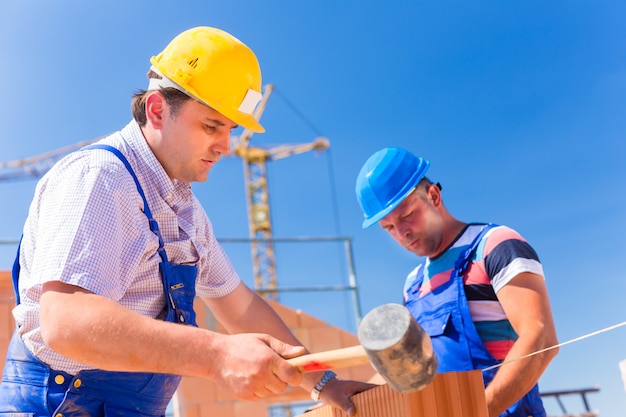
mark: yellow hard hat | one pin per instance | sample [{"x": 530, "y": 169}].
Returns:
[{"x": 215, "y": 68}]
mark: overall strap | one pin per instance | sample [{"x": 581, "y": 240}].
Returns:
[
  {"x": 464, "y": 260},
  {"x": 174, "y": 277},
  {"x": 15, "y": 273},
  {"x": 154, "y": 226}
]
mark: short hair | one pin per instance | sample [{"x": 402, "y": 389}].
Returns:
[
  {"x": 428, "y": 183},
  {"x": 173, "y": 97},
  {"x": 423, "y": 185}
]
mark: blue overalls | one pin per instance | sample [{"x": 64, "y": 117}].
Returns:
[
  {"x": 445, "y": 316},
  {"x": 31, "y": 388}
]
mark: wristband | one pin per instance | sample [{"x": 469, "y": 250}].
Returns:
[{"x": 317, "y": 390}]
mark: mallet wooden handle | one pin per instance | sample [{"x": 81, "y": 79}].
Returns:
[{"x": 331, "y": 359}]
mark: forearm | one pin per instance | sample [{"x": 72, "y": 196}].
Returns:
[
  {"x": 527, "y": 307},
  {"x": 272, "y": 324},
  {"x": 515, "y": 378},
  {"x": 257, "y": 316},
  {"x": 101, "y": 333},
  {"x": 243, "y": 311}
]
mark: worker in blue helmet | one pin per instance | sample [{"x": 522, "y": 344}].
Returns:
[{"x": 480, "y": 293}]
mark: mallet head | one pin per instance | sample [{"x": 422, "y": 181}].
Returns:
[{"x": 398, "y": 348}]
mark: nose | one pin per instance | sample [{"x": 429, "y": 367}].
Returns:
[
  {"x": 222, "y": 144},
  {"x": 227, "y": 144},
  {"x": 403, "y": 230}
]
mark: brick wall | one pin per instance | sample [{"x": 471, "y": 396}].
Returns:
[
  {"x": 7, "y": 324},
  {"x": 451, "y": 394}
]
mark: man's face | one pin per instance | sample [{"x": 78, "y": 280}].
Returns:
[
  {"x": 193, "y": 141},
  {"x": 416, "y": 223}
]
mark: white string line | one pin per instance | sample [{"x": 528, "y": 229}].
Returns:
[{"x": 559, "y": 345}]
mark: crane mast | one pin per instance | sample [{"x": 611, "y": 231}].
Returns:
[{"x": 257, "y": 196}]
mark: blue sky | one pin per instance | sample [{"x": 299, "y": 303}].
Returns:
[{"x": 519, "y": 107}]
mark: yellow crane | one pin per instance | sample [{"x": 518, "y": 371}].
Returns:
[
  {"x": 36, "y": 166},
  {"x": 257, "y": 196}
]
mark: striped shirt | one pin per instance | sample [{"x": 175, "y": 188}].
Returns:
[
  {"x": 501, "y": 255},
  {"x": 86, "y": 227}
]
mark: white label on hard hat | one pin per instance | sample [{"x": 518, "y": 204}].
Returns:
[{"x": 250, "y": 101}]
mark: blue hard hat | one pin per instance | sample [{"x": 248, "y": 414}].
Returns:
[{"x": 386, "y": 178}]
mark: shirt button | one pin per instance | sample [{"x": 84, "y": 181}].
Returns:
[
  {"x": 59, "y": 379},
  {"x": 78, "y": 383}
]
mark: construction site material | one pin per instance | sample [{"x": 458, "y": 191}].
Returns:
[
  {"x": 395, "y": 344},
  {"x": 458, "y": 394}
]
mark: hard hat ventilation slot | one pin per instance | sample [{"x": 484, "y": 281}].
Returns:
[{"x": 193, "y": 63}]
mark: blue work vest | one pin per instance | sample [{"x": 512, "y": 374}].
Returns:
[
  {"x": 445, "y": 315},
  {"x": 31, "y": 388}
]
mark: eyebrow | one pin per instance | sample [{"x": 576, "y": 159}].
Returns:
[{"x": 219, "y": 123}]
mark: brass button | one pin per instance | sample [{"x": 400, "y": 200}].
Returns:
[
  {"x": 78, "y": 383},
  {"x": 59, "y": 379},
  {"x": 58, "y": 415}
]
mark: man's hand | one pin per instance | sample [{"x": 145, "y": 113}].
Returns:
[
  {"x": 337, "y": 393},
  {"x": 251, "y": 366}
]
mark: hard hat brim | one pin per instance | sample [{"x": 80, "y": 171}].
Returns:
[
  {"x": 244, "y": 120},
  {"x": 383, "y": 213}
]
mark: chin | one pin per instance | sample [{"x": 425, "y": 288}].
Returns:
[
  {"x": 201, "y": 176},
  {"x": 418, "y": 251}
]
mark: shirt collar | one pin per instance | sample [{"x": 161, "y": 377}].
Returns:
[{"x": 173, "y": 192}]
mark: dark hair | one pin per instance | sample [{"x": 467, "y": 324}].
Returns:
[
  {"x": 426, "y": 182},
  {"x": 173, "y": 97}
]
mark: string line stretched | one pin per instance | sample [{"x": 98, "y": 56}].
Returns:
[{"x": 597, "y": 332}]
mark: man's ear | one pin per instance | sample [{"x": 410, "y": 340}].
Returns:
[
  {"x": 434, "y": 194},
  {"x": 156, "y": 106}
]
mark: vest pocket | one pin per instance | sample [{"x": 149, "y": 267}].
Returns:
[{"x": 435, "y": 323}]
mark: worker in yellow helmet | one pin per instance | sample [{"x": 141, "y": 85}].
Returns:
[{"x": 116, "y": 247}]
